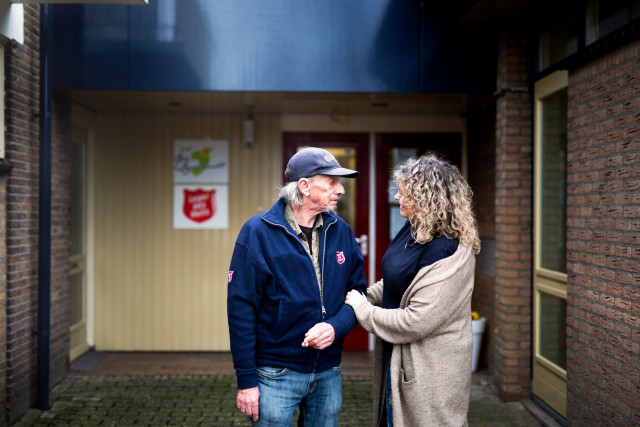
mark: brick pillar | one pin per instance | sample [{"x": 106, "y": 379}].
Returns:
[
  {"x": 22, "y": 142},
  {"x": 511, "y": 328}
]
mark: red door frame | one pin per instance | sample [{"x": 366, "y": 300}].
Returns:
[{"x": 358, "y": 339}]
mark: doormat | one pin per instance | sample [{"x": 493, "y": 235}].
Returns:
[{"x": 89, "y": 361}]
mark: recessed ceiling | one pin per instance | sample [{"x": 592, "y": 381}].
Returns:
[{"x": 272, "y": 103}]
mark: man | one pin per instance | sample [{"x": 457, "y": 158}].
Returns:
[{"x": 290, "y": 271}]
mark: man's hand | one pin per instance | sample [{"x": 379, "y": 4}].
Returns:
[
  {"x": 320, "y": 336},
  {"x": 247, "y": 401}
]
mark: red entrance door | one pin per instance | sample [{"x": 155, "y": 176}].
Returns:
[{"x": 352, "y": 151}]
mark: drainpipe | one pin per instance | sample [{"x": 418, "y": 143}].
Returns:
[{"x": 44, "y": 245}]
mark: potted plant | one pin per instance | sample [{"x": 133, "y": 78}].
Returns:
[{"x": 477, "y": 323}]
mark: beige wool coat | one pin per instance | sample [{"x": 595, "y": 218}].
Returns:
[{"x": 432, "y": 344}]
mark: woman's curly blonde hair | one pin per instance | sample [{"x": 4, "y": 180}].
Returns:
[{"x": 439, "y": 200}]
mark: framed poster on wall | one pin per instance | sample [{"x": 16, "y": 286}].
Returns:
[{"x": 201, "y": 160}]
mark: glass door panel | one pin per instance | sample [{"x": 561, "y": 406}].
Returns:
[
  {"x": 396, "y": 221},
  {"x": 347, "y": 203},
  {"x": 553, "y": 182},
  {"x": 553, "y": 329},
  {"x": 550, "y": 229}
]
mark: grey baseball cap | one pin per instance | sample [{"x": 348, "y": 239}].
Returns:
[{"x": 312, "y": 161}]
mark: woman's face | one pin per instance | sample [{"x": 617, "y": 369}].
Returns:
[{"x": 405, "y": 211}]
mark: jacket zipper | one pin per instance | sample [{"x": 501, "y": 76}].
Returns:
[
  {"x": 324, "y": 258},
  {"x": 320, "y": 287}
]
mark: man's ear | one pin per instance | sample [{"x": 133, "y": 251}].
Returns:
[{"x": 303, "y": 186}]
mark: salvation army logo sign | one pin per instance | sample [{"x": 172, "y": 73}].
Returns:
[
  {"x": 199, "y": 205},
  {"x": 340, "y": 257}
]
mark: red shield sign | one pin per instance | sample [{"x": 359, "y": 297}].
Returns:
[
  {"x": 199, "y": 205},
  {"x": 340, "y": 257}
]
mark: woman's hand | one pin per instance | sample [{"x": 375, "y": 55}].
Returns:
[{"x": 354, "y": 298}]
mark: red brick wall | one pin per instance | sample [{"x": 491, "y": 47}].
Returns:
[
  {"x": 3, "y": 295},
  {"x": 603, "y": 241},
  {"x": 22, "y": 225},
  {"x": 60, "y": 238},
  {"x": 21, "y": 118},
  {"x": 511, "y": 326},
  {"x": 482, "y": 179}
]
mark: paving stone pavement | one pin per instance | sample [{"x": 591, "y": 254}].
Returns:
[{"x": 119, "y": 393}]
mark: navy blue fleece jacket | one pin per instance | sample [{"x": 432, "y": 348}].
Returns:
[{"x": 273, "y": 296}]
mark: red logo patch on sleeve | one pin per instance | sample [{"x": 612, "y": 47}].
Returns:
[
  {"x": 230, "y": 276},
  {"x": 340, "y": 257}
]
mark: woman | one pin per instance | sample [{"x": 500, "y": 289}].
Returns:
[{"x": 421, "y": 311}]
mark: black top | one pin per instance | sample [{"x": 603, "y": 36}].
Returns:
[
  {"x": 308, "y": 232},
  {"x": 404, "y": 258},
  {"x": 402, "y": 261}
]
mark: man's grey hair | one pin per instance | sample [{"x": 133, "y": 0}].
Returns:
[{"x": 291, "y": 193}]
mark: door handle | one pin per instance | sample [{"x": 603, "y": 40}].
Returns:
[{"x": 363, "y": 241}]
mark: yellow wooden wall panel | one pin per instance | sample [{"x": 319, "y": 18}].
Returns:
[{"x": 158, "y": 288}]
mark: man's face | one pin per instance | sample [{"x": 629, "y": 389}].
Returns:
[{"x": 324, "y": 192}]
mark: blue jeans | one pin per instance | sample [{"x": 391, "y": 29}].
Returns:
[{"x": 319, "y": 395}]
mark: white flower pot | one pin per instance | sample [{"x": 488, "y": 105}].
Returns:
[{"x": 478, "y": 330}]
